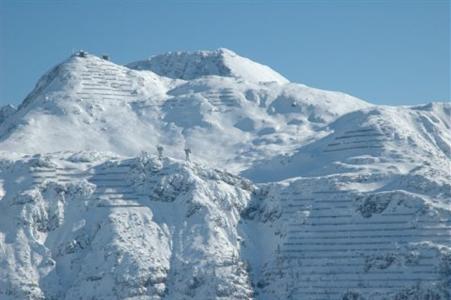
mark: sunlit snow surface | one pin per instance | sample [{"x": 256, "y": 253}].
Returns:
[
  {"x": 343, "y": 199},
  {"x": 228, "y": 122}
]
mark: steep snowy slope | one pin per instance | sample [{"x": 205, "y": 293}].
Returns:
[
  {"x": 378, "y": 235},
  {"x": 87, "y": 103},
  {"x": 82, "y": 103}
]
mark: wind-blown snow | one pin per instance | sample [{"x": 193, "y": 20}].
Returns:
[{"x": 343, "y": 199}]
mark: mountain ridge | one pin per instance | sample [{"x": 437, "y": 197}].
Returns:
[{"x": 90, "y": 94}]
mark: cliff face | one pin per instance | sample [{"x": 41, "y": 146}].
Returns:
[{"x": 120, "y": 229}]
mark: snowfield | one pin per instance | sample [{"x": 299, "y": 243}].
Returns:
[{"x": 290, "y": 192}]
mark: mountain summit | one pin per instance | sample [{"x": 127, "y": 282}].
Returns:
[{"x": 221, "y": 62}]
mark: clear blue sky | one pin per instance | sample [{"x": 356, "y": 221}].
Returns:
[{"x": 387, "y": 52}]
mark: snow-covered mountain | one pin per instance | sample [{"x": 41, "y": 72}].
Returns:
[
  {"x": 226, "y": 121},
  {"x": 291, "y": 192}
]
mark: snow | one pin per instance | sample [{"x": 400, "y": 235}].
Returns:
[
  {"x": 110, "y": 108},
  {"x": 103, "y": 238},
  {"x": 372, "y": 138},
  {"x": 221, "y": 62},
  {"x": 291, "y": 192}
]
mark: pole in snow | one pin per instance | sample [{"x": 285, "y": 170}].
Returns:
[
  {"x": 160, "y": 152},
  {"x": 187, "y": 154}
]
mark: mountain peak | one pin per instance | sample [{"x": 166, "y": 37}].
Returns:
[{"x": 220, "y": 62}]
